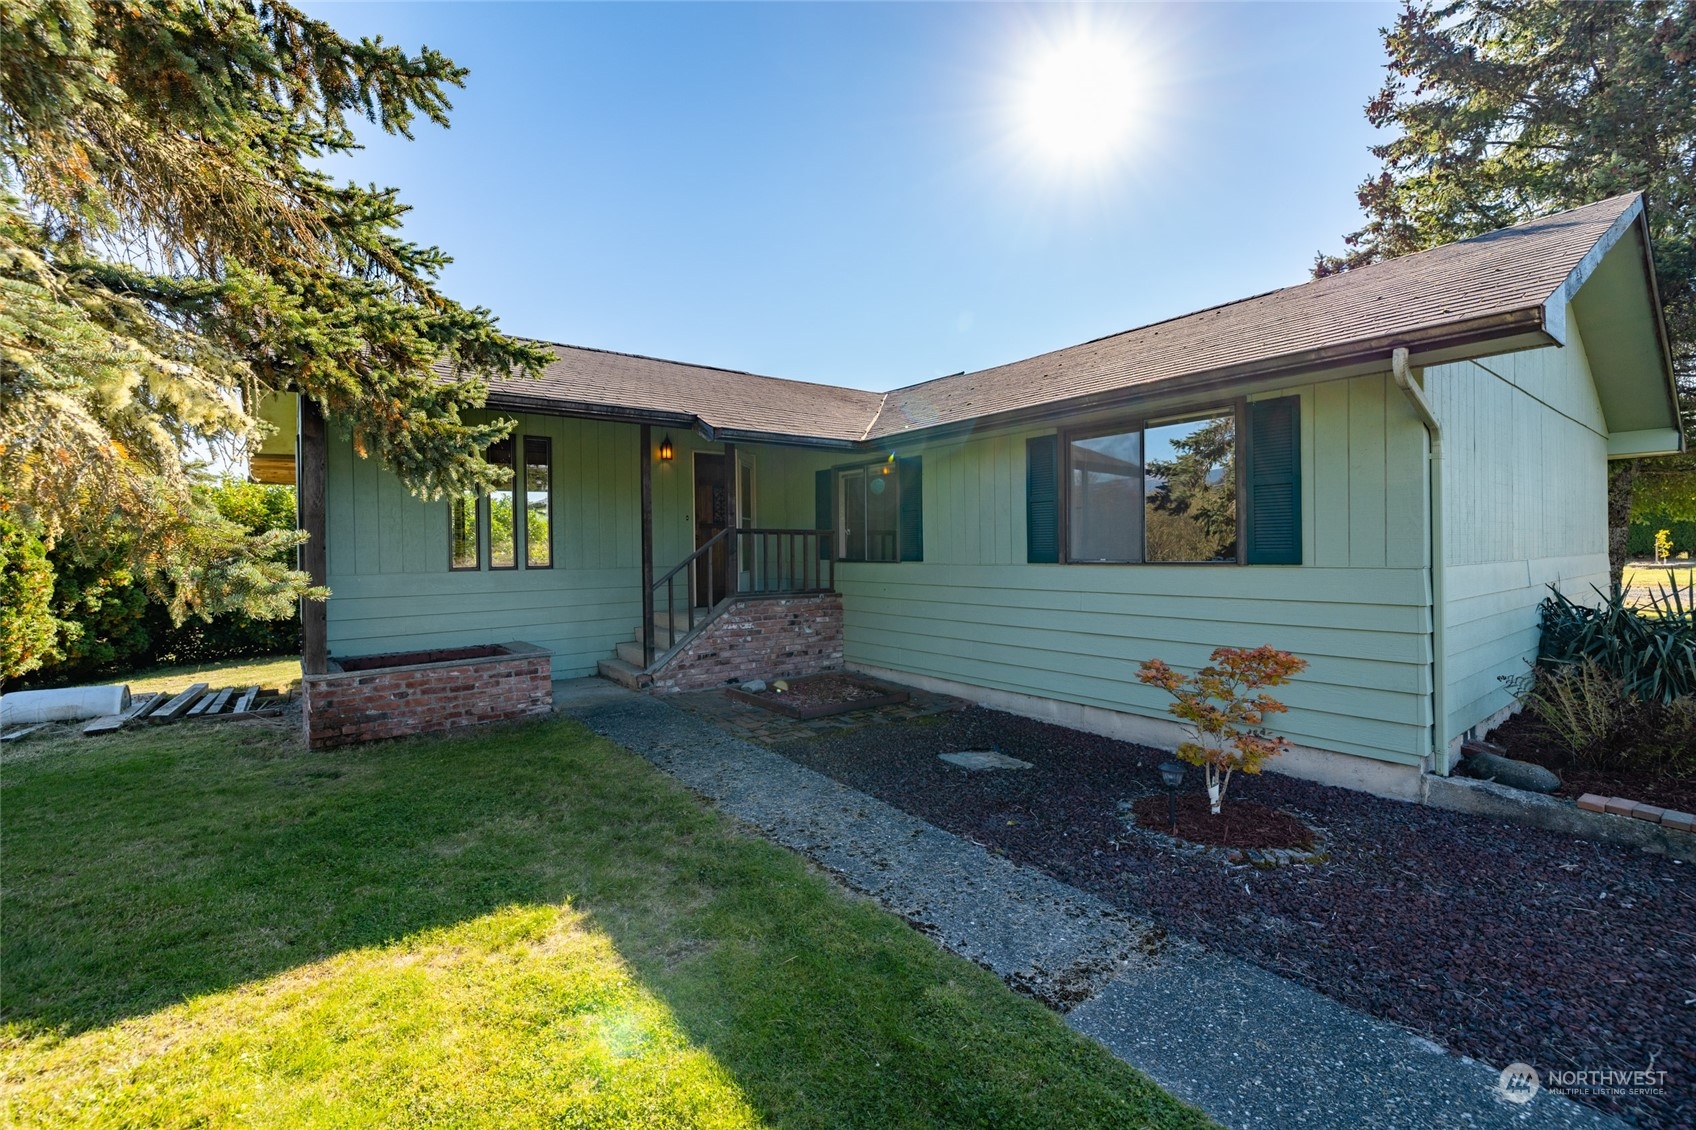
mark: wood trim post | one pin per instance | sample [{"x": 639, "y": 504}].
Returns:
[
  {"x": 647, "y": 438},
  {"x": 311, "y": 557},
  {"x": 733, "y": 473}
]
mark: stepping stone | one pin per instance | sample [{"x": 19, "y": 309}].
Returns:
[{"x": 983, "y": 759}]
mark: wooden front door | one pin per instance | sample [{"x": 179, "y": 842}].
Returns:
[{"x": 712, "y": 513}]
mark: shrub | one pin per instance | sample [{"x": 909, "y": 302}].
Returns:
[
  {"x": 105, "y": 620},
  {"x": 1651, "y": 650},
  {"x": 1227, "y": 723},
  {"x": 1606, "y": 728},
  {"x": 26, "y": 592}
]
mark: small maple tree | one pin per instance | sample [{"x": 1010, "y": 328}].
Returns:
[{"x": 1227, "y": 721}]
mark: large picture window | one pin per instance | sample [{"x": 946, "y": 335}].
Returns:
[
  {"x": 1161, "y": 491},
  {"x": 493, "y": 530}
]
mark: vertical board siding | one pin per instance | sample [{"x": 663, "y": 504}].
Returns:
[
  {"x": 975, "y": 612},
  {"x": 392, "y": 589},
  {"x": 1525, "y": 506},
  {"x": 388, "y": 550}
]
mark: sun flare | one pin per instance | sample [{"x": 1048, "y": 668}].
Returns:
[{"x": 1081, "y": 99}]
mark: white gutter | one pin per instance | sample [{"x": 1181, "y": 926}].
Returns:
[{"x": 1439, "y": 657}]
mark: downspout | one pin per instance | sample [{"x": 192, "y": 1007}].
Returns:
[{"x": 1439, "y": 656}]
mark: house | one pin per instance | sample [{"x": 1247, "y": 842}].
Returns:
[{"x": 1379, "y": 471}]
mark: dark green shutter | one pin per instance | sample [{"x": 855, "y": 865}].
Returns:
[
  {"x": 1274, "y": 481},
  {"x": 824, "y": 509},
  {"x": 1042, "y": 500},
  {"x": 911, "y": 475}
]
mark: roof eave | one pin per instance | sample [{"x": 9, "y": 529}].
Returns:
[
  {"x": 588, "y": 410},
  {"x": 1515, "y": 324}
]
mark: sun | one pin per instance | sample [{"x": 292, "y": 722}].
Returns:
[{"x": 1080, "y": 100}]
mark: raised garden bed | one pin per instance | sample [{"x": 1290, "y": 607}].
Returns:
[
  {"x": 415, "y": 658},
  {"x": 820, "y": 696},
  {"x": 1528, "y": 738},
  {"x": 1504, "y": 942}
]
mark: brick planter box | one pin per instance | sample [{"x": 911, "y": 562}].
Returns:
[{"x": 421, "y": 692}]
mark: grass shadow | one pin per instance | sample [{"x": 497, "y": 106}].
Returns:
[{"x": 158, "y": 867}]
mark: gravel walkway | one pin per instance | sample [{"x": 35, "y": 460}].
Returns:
[{"x": 1251, "y": 1049}]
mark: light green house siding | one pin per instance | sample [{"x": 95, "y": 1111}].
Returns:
[
  {"x": 388, "y": 551},
  {"x": 974, "y": 612},
  {"x": 1525, "y": 506},
  {"x": 1524, "y": 497}
]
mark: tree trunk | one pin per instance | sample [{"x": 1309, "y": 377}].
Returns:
[{"x": 1621, "y": 475}]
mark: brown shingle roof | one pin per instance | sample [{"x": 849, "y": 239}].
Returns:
[
  {"x": 726, "y": 400},
  {"x": 1495, "y": 283},
  {"x": 1513, "y": 270}
]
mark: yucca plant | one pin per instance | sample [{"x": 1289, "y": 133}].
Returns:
[{"x": 1650, "y": 648}]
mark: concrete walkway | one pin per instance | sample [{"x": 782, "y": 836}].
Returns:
[{"x": 1249, "y": 1048}]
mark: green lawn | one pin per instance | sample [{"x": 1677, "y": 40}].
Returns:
[
  {"x": 1656, "y": 576},
  {"x": 276, "y": 673},
  {"x": 519, "y": 926}
]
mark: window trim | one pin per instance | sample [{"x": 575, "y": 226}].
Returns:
[
  {"x": 524, "y": 464},
  {"x": 839, "y": 545},
  {"x": 477, "y": 524},
  {"x": 1140, "y": 424},
  {"x": 489, "y": 515}
]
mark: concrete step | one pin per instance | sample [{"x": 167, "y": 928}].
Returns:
[
  {"x": 624, "y": 674},
  {"x": 663, "y": 636}
]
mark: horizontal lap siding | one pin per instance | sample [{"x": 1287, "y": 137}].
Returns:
[
  {"x": 974, "y": 612},
  {"x": 1366, "y": 691},
  {"x": 1525, "y": 506},
  {"x": 388, "y": 555}
]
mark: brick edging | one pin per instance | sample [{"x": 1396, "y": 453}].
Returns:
[{"x": 1637, "y": 810}]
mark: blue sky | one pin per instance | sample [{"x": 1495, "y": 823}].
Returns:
[{"x": 858, "y": 193}]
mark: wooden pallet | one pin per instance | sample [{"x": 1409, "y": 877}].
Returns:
[{"x": 199, "y": 703}]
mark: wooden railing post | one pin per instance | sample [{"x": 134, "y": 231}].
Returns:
[
  {"x": 732, "y": 578},
  {"x": 648, "y": 548},
  {"x": 309, "y": 491}
]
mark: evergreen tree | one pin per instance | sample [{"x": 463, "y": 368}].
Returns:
[
  {"x": 169, "y": 254},
  {"x": 1505, "y": 110}
]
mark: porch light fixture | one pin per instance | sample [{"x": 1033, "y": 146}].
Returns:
[
  {"x": 1172, "y": 772},
  {"x": 666, "y": 451}
]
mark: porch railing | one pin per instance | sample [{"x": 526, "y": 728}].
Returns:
[
  {"x": 785, "y": 561},
  {"x": 756, "y": 561}
]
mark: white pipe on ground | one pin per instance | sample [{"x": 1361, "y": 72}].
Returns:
[{"x": 67, "y": 704}]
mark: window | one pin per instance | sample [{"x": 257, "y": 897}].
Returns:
[
  {"x": 538, "y": 502},
  {"x": 1160, "y": 491},
  {"x": 878, "y": 510},
  {"x": 503, "y": 525},
  {"x": 491, "y": 530},
  {"x": 1190, "y": 493},
  {"x": 464, "y": 532},
  {"x": 1105, "y": 489}
]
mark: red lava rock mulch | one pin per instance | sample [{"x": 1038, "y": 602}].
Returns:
[
  {"x": 1240, "y": 823},
  {"x": 1499, "y": 941},
  {"x": 1528, "y": 738}
]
